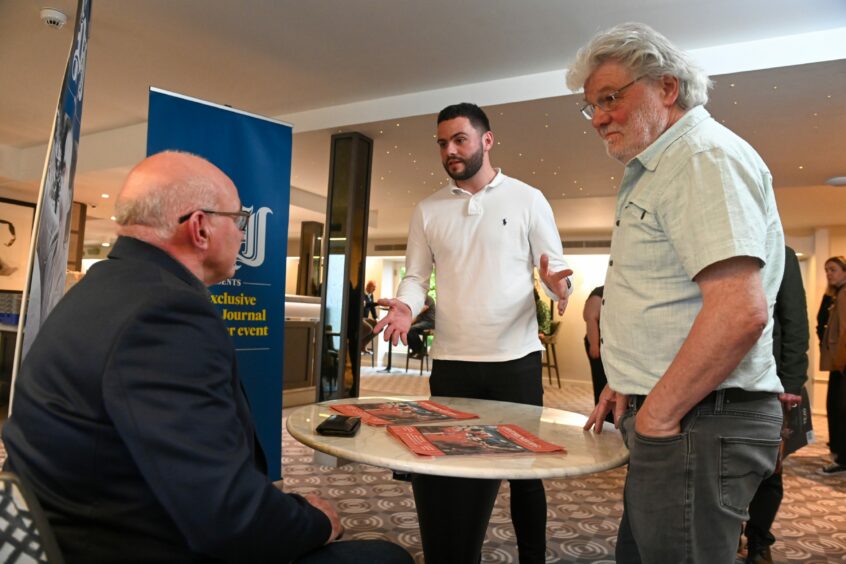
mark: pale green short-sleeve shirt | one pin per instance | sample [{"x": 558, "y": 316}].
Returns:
[{"x": 698, "y": 195}]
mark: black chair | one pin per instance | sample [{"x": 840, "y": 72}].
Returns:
[
  {"x": 25, "y": 533},
  {"x": 551, "y": 356},
  {"x": 424, "y": 354}
]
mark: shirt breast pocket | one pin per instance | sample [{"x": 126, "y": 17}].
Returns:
[{"x": 641, "y": 239}]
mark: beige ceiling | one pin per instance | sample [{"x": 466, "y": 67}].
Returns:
[{"x": 384, "y": 68}]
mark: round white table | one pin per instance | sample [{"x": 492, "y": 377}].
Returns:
[
  {"x": 455, "y": 495},
  {"x": 587, "y": 452}
]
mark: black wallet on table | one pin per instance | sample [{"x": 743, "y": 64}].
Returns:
[{"x": 339, "y": 425}]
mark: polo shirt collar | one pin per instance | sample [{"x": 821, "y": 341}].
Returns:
[
  {"x": 650, "y": 157},
  {"x": 497, "y": 180}
]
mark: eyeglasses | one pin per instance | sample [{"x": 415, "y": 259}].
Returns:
[
  {"x": 240, "y": 217},
  {"x": 605, "y": 103}
]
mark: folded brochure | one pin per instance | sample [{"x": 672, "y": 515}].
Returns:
[
  {"x": 402, "y": 412},
  {"x": 435, "y": 440}
]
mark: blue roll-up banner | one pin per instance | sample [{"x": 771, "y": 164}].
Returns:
[{"x": 255, "y": 152}]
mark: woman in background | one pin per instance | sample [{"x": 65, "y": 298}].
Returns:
[
  {"x": 591, "y": 312},
  {"x": 833, "y": 359}
]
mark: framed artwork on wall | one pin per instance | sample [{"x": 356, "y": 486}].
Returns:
[{"x": 16, "y": 219}]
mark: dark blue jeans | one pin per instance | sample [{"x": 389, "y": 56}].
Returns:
[{"x": 686, "y": 495}]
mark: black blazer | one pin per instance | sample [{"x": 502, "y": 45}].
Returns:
[
  {"x": 370, "y": 307},
  {"x": 130, "y": 423},
  {"x": 790, "y": 327}
]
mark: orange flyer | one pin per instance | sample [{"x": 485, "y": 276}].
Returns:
[
  {"x": 447, "y": 440},
  {"x": 402, "y": 412}
]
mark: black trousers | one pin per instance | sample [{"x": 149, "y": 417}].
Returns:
[
  {"x": 763, "y": 510},
  {"x": 454, "y": 512},
  {"x": 415, "y": 336},
  {"x": 835, "y": 405}
]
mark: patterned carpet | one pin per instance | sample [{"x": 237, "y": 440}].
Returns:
[{"x": 583, "y": 513}]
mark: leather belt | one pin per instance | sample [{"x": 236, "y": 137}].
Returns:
[{"x": 730, "y": 395}]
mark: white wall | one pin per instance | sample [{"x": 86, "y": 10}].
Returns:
[{"x": 588, "y": 273}]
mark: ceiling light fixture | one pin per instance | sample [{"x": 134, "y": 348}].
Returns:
[
  {"x": 836, "y": 181},
  {"x": 53, "y": 18}
]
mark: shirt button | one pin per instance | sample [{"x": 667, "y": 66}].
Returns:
[
  {"x": 611, "y": 262},
  {"x": 618, "y": 222},
  {"x": 601, "y": 341},
  {"x": 603, "y": 301}
]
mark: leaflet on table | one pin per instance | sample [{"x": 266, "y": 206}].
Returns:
[
  {"x": 432, "y": 440},
  {"x": 402, "y": 412}
]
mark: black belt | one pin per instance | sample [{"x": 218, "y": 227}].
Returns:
[{"x": 730, "y": 395}]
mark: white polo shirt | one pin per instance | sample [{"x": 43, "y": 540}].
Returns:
[{"x": 483, "y": 247}]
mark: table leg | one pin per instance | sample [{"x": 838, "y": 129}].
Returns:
[
  {"x": 453, "y": 514},
  {"x": 387, "y": 369}
]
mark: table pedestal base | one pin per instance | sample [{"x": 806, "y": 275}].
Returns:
[
  {"x": 453, "y": 514},
  {"x": 323, "y": 459}
]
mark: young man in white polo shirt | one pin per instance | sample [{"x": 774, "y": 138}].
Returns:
[{"x": 486, "y": 233}]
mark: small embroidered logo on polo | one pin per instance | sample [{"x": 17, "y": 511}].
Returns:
[{"x": 504, "y": 221}]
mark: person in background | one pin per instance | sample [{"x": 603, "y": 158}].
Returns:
[
  {"x": 833, "y": 359},
  {"x": 697, "y": 256},
  {"x": 370, "y": 312},
  {"x": 369, "y": 316},
  {"x": 424, "y": 321},
  {"x": 487, "y": 233},
  {"x": 790, "y": 349},
  {"x": 591, "y": 315},
  {"x": 130, "y": 422}
]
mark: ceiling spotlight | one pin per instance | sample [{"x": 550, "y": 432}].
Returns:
[
  {"x": 53, "y": 18},
  {"x": 836, "y": 181}
]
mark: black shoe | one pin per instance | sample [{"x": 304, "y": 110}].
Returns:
[
  {"x": 831, "y": 469},
  {"x": 758, "y": 554}
]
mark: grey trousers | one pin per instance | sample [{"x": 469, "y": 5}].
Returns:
[{"x": 686, "y": 495}]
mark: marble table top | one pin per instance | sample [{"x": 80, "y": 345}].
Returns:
[{"x": 587, "y": 452}]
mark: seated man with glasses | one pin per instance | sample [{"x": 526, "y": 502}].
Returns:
[{"x": 129, "y": 419}]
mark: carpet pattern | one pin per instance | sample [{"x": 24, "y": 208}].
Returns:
[{"x": 583, "y": 512}]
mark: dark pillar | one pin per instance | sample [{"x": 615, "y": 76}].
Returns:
[
  {"x": 347, "y": 210},
  {"x": 308, "y": 271}
]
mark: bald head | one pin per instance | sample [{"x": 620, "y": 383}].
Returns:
[
  {"x": 163, "y": 187},
  {"x": 168, "y": 186}
]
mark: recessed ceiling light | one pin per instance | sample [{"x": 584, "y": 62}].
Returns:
[
  {"x": 113, "y": 218},
  {"x": 104, "y": 244},
  {"x": 104, "y": 196}
]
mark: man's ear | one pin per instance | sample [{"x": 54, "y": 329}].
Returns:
[
  {"x": 669, "y": 89},
  {"x": 488, "y": 140},
  {"x": 198, "y": 230}
]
